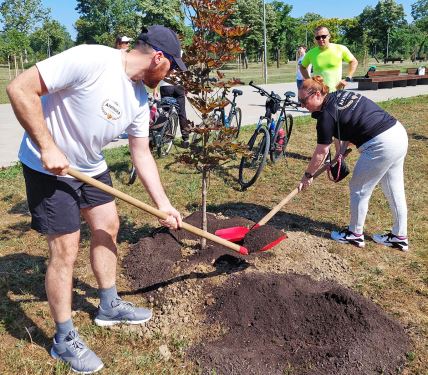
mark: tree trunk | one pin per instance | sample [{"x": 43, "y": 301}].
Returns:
[
  {"x": 278, "y": 51},
  {"x": 204, "y": 206},
  {"x": 16, "y": 65}
]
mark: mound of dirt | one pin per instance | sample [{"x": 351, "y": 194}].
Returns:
[
  {"x": 280, "y": 323},
  {"x": 254, "y": 314}
]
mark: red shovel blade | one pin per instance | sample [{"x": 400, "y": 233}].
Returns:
[
  {"x": 274, "y": 243},
  {"x": 233, "y": 234}
]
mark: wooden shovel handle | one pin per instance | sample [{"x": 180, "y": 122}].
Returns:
[
  {"x": 274, "y": 210},
  {"x": 154, "y": 211}
]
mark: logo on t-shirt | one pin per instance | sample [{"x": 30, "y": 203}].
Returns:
[
  {"x": 111, "y": 109},
  {"x": 346, "y": 100}
]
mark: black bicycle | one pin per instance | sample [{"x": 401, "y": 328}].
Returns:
[
  {"x": 162, "y": 129},
  {"x": 270, "y": 136}
]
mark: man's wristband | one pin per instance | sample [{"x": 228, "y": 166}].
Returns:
[
  {"x": 308, "y": 175},
  {"x": 348, "y": 79}
]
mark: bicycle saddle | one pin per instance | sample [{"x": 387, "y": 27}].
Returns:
[
  {"x": 290, "y": 94},
  {"x": 237, "y": 92}
]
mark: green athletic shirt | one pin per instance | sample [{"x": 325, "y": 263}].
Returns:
[{"x": 327, "y": 63}]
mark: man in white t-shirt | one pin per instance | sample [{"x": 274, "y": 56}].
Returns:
[{"x": 71, "y": 105}]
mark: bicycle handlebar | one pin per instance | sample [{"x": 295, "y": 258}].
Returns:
[{"x": 263, "y": 92}]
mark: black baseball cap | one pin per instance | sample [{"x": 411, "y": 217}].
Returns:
[{"x": 164, "y": 39}]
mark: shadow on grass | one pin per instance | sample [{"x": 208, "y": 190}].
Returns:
[
  {"x": 20, "y": 208},
  {"x": 297, "y": 156},
  {"x": 22, "y": 281},
  {"x": 418, "y": 137},
  {"x": 282, "y": 220},
  {"x": 15, "y": 230},
  {"x": 229, "y": 173}
]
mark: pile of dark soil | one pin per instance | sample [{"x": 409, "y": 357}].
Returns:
[
  {"x": 157, "y": 259},
  {"x": 265, "y": 322},
  {"x": 280, "y": 323}
]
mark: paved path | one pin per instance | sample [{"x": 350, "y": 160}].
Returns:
[{"x": 251, "y": 103}]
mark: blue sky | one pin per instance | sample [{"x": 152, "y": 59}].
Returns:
[{"x": 64, "y": 11}]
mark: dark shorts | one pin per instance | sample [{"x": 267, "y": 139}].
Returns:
[{"x": 55, "y": 201}]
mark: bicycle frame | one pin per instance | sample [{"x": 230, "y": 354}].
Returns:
[
  {"x": 226, "y": 119},
  {"x": 287, "y": 102}
]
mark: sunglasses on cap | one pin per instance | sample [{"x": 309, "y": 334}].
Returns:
[
  {"x": 319, "y": 37},
  {"x": 305, "y": 99},
  {"x": 173, "y": 64}
]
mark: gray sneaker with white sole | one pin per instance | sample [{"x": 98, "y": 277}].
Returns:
[
  {"x": 76, "y": 353},
  {"x": 122, "y": 312}
]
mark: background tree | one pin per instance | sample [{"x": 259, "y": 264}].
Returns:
[
  {"x": 250, "y": 13},
  {"x": 381, "y": 23},
  {"x": 19, "y": 19},
  {"x": 420, "y": 15},
  {"x": 100, "y": 21},
  {"x": 285, "y": 34},
  {"x": 169, "y": 14},
  {"x": 22, "y": 15},
  {"x": 52, "y": 37}
]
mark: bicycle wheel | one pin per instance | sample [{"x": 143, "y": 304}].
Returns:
[
  {"x": 132, "y": 175},
  {"x": 235, "y": 122},
  {"x": 282, "y": 137},
  {"x": 251, "y": 167},
  {"x": 167, "y": 135}
]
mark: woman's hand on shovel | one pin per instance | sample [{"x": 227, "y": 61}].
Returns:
[
  {"x": 305, "y": 182},
  {"x": 173, "y": 221}
]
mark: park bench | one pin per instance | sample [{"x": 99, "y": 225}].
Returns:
[
  {"x": 383, "y": 79},
  {"x": 393, "y": 59}
]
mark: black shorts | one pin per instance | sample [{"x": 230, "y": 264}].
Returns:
[{"x": 55, "y": 201}]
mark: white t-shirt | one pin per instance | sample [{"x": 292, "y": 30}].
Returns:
[
  {"x": 298, "y": 73},
  {"x": 90, "y": 102}
]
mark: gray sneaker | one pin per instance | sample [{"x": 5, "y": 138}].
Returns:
[
  {"x": 122, "y": 312},
  {"x": 76, "y": 353}
]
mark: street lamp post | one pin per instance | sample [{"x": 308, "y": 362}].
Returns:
[
  {"x": 264, "y": 42},
  {"x": 49, "y": 47}
]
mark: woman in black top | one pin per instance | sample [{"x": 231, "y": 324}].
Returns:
[{"x": 382, "y": 143}]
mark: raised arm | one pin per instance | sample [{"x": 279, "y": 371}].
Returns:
[
  {"x": 24, "y": 93},
  {"x": 304, "y": 71}
]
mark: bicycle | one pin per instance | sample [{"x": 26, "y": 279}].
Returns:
[
  {"x": 270, "y": 136},
  {"x": 233, "y": 120},
  {"x": 162, "y": 128},
  {"x": 231, "y": 123}
]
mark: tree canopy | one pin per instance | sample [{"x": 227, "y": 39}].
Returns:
[{"x": 376, "y": 29}]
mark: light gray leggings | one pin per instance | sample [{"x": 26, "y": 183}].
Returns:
[{"x": 381, "y": 160}]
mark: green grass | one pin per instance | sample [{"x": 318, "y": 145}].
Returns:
[{"x": 397, "y": 282}]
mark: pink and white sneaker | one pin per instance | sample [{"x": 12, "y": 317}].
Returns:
[
  {"x": 391, "y": 240},
  {"x": 346, "y": 236}
]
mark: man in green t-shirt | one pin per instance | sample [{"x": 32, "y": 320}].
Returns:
[{"x": 326, "y": 60}]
